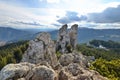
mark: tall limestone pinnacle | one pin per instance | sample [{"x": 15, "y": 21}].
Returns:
[
  {"x": 40, "y": 61},
  {"x": 41, "y": 49},
  {"x": 67, "y": 39}
]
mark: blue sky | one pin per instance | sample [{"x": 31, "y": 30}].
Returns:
[{"x": 54, "y": 13}]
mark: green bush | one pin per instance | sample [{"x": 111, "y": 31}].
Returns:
[
  {"x": 58, "y": 54},
  {"x": 110, "y": 69},
  {"x": 69, "y": 48}
]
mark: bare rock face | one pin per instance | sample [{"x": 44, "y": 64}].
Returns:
[
  {"x": 76, "y": 72},
  {"x": 73, "y": 35},
  {"x": 63, "y": 39},
  {"x": 27, "y": 71},
  {"x": 45, "y": 37},
  {"x": 66, "y": 59},
  {"x": 41, "y": 73},
  {"x": 63, "y": 75},
  {"x": 15, "y": 71},
  {"x": 41, "y": 49},
  {"x": 75, "y": 67},
  {"x": 35, "y": 52},
  {"x": 67, "y": 40}
]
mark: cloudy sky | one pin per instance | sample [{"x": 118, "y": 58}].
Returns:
[{"x": 54, "y": 13}]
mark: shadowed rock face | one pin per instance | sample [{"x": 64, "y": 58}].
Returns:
[
  {"x": 40, "y": 62},
  {"x": 63, "y": 39},
  {"x": 67, "y": 39},
  {"x": 73, "y": 35}
]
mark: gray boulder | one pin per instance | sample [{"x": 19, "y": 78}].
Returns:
[
  {"x": 66, "y": 59},
  {"x": 15, "y": 71},
  {"x": 41, "y": 73}
]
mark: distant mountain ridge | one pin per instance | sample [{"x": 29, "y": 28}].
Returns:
[
  {"x": 88, "y": 34},
  {"x": 9, "y": 34},
  {"x": 84, "y": 34}
]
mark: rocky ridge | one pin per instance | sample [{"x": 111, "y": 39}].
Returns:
[{"x": 40, "y": 61}]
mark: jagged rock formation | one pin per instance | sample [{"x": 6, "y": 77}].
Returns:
[
  {"x": 42, "y": 49},
  {"x": 67, "y": 39},
  {"x": 40, "y": 62},
  {"x": 73, "y": 35}
]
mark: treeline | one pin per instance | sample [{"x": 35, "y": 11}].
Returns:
[
  {"x": 98, "y": 53},
  {"x": 12, "y": 53},
  {"x": 107, "y": 62},
  {"x": 108, "y": 44}
]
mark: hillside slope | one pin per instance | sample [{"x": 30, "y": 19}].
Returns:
[{"x": 10, "y": 34}]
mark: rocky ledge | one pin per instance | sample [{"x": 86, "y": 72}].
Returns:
[{"x": 40, "y": 62}]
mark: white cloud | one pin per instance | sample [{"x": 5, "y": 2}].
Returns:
[
  {"x": 85, "y": 6},
  {"x": 47, "y": 16},
  {"x": 100, "y": 25},
  {"x": 53, "y": 1},
  {"x": 12, "y": 14}
]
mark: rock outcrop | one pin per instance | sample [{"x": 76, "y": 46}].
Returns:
[
  {"x": 15, "y": 71},
  {"x": 27, "y": 71},
  {"x": 67, "y": 39},
  {"x": 40, "y": 50},
  {"x": 40, "y": 61},
  {"x": 73, "y": 35},
  {"x": 41, "y": 73}
]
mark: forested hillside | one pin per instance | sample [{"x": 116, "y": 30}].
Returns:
[
  {"x": 12, "y": 53},
  {"x": 108, "y": 44},
  {"x": 107, "y": 62}
]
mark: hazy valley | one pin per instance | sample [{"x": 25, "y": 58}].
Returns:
[{"x": 84, "y": 34}]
